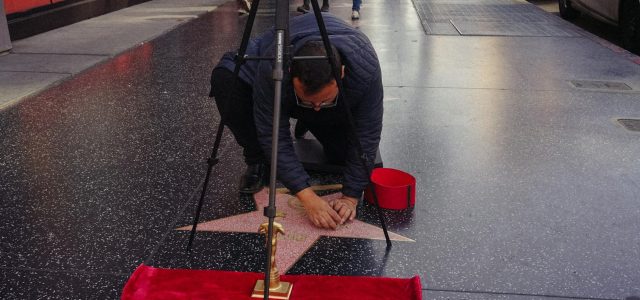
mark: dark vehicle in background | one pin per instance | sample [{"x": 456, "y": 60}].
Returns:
[{"x": 625, "y": 14}]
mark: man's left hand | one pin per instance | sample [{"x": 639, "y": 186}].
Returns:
[{"x": 345, "y": 207}]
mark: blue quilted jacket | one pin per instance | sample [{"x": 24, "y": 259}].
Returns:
[{"x": 362, "y": 89}]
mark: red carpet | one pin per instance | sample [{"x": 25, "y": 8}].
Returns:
[{"x": 155, "y": 283}]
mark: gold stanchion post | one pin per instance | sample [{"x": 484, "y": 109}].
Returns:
[{"x": 277, "y": 289}]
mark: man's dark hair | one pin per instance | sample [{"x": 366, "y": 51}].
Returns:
[{"x": 314, "y": 73}]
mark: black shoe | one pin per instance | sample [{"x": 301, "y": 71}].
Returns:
[
  {"x": 324, "y": 8},
  {"x": 303, "y": 9},
  {"x": 252, "y": 180}
]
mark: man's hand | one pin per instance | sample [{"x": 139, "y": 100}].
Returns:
[
  {"x": 346, "y": 208},
  {"x": 318, "y": 210}
]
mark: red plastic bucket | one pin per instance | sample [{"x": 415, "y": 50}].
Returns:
[{"x": 395, "y": 189}]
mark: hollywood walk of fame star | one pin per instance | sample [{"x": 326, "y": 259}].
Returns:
[{"x": 300, "y": 234}]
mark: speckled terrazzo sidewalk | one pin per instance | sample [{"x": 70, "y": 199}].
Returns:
[{"x": 527, "y": 183}]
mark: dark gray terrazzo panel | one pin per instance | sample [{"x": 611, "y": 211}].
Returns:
[
  {"x": 242, "y": 252},
  {"x": 526, "y": 187},
  {"x": 94, "y": 170},
  {"x": 471, "y": 295},
  {"x": 533, "y": 194},
  {"x": 53, "y": 284},
  {"x": 515, "y": 63},
  {"x": 525, "y": 184}
]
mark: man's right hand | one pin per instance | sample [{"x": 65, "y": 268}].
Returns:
[{"x": 318, "y": 210}]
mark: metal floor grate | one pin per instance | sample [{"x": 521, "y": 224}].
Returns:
[
  {"x": 630, "y": 124},
  {"x": 600, "y": 85},
  {"x": 488, "y": 17}
]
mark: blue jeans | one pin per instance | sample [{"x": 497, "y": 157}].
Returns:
[{"x": 356, "y": 5}]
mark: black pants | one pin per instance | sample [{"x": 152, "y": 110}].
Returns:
[
  {"x": 235, "y": 106},
  {"x": 333, "y": 139}
]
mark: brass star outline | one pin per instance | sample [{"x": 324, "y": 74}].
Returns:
[{"x": 300, "y": 232}]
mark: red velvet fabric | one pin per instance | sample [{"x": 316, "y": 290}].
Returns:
[
  {"x": 156, "y": 283},
  {"x": 13, "y": 6}
]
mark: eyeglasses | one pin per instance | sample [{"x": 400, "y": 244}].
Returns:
[{"x": 307, "y": 104}]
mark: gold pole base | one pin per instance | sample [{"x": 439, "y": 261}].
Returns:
[{"x": 281, "y": 292}]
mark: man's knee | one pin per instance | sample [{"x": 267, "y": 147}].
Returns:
[
  {"x": 232, "y": 96},
  {"x": 220, "y": 82}
]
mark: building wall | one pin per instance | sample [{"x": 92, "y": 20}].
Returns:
[{"x": 31, "y": 17}]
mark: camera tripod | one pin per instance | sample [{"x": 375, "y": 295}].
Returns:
[{"x": 280, "y": 60}]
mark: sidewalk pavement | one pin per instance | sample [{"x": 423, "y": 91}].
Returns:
[
  {"x": 38, "y": 62},
  {"x": 527, "y": 181}
]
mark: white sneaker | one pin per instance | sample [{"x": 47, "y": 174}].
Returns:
[
  {"x": 355, "y": 15},
  {"x": 244, "y": 6}
]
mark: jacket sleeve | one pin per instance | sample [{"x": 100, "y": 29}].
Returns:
[
  {"x": 290, "y": 171},
  {"x": 367, "y": 117}
]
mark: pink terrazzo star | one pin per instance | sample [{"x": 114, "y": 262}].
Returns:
[{"x": 300, "y": 233}]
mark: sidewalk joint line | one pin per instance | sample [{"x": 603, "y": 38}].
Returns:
[
  {"x": 43, "y": 72},
  {"x": 68, "y": 54}
]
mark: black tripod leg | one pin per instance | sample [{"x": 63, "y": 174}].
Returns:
[
  {"x": 354, "y": 136},
  {"x": 213, "y": 159},
  {"x": 246, "y": 35},
  {"x": 214, "y": 153},
  {"x": 380, "y": 215}
]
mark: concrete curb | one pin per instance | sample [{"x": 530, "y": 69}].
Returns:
[{"x": 39, "y": 62}]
